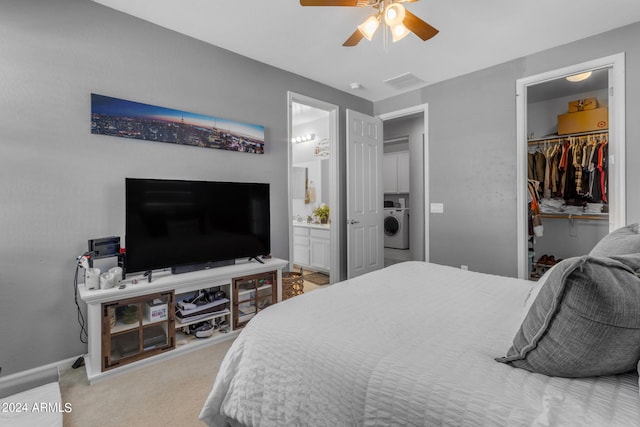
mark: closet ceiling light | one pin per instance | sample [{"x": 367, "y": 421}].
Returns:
[{"x": 579, "y": 77}]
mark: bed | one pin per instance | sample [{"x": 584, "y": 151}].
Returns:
[
  {"x": 412, "y": 344},
  {"x": 32, "y": 400}
]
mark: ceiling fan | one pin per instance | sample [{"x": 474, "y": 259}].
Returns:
[{"x": 399, "y": 20}]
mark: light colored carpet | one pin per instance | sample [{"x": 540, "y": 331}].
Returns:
[{"x": 170, "y": 392}]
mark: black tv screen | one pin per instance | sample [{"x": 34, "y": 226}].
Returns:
[{"x": 171, "y": 223}]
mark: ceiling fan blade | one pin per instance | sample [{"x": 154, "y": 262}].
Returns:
[
  {"x": 354, "y": 39},
  {"x": 330, "y": 3},
  {"x": 418, "y": 26}
]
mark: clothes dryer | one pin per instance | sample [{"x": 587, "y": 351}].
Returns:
[{"x": 396, "y": 228}]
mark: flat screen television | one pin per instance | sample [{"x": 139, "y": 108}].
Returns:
[{"x": 194, "y": 224}]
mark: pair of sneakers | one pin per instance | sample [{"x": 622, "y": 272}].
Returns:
[{"x": 548, "y": 260}]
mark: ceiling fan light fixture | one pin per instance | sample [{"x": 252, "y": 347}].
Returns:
[
  {"x": 397, "y": 19},
  {"x": 579, "y": 77},
  {"x": 399, "y": 32},
  {"x": 369, "y": 27},
  {"x": 394, "y": 14}
]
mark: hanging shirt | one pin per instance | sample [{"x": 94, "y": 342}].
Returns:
[
  {"x": 602, "y": 167},
  {"x": 555, "y": 172},
  {"x": 540, "y": 165},
  {"x": 530, "y": 166}
]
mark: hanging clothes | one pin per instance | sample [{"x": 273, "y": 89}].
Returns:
[
  {"x": 602, "y": 168},
  {"x": 549, "y": 177},
  {"x": 568, "y": 191},
  {"x": 577, "y": 165},
  {"x": 573, "y": 169},
  {"x": 530, "y": 165},
  {"x": 535, "y": 220},
  {"x": 540, "y": 162},
  {"x": 555, "y": 171},
  {"x": 562, "y": 167}
]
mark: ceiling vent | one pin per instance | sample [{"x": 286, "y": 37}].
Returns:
[{"x": 404, "y": 81}]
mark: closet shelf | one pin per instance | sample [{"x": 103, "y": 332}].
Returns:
[
  {"x": 575, "y": 216},
  {"x": 556, "y": 138}
]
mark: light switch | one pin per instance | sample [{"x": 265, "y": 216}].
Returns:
[{"x": 437, "y": 207}]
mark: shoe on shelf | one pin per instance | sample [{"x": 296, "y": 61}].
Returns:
[
  {"x": 543, "y": 259},
  {"x": 551, "y": 260}
]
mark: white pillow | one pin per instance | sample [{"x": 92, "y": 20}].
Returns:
[{"x": 621, "y": 241}]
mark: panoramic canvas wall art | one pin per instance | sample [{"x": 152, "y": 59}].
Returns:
[{"x": 128, "y": 119}]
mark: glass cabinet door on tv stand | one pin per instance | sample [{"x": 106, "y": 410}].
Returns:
[
  {"x": 136, "y": 328},
  {"x": 252, "y": 294}
]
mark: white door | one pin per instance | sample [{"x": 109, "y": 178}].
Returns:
[{"x": 365, "y": 212}]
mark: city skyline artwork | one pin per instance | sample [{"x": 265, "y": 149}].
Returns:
[{"x": 129, "y": 119}]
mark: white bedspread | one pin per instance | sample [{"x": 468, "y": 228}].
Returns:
[
  {"x": 37, "y": 407},
  {"x": 413, "y": 344}
]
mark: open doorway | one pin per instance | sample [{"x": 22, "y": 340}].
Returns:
[
  {"x": 313, "y": 190},
  {"x": 406, "y": 186},
  {"x": 581, "y": 203}
]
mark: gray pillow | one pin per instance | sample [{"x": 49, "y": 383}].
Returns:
[
  {"x": 621, "y": 241},
  {"x": 585, "y": 320}
]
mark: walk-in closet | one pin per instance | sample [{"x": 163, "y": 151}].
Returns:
[{"x": 567, "y": 167}]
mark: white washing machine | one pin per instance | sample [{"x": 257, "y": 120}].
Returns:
[{"x": 396, "y": 228}]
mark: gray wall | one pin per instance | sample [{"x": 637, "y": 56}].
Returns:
[
  {"x": 60, "y": 185},
  {"x": 472, "y": 170},
  {"x": 542, "y": 117}
]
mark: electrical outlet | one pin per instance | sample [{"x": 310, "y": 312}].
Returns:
[{"x": 464, "y": 267}]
